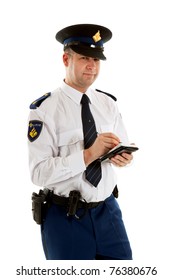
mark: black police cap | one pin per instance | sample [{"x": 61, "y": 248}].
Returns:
[{"x": 85, "y": 39}]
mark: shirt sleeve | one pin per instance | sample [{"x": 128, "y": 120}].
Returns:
[
  {"x": 46, "y": 166},
  {"x": 120, "y": 129},
  {"x": 121, "y": 132}
]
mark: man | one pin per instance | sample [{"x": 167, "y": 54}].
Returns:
[{"x": 69, "y": 130}]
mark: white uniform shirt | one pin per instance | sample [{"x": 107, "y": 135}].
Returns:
[{"x": 56, "y": 156}]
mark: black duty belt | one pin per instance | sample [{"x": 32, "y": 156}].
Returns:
[
  {"x": 73, "y": 203},
  {"x": 42, "y": 200},
  {"x": 64, "y": 201}
]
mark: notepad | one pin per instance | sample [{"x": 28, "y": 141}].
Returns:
[{"x": 119, "y": 149}]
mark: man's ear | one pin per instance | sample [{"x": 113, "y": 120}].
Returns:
[{"x": 65, "y": 59}]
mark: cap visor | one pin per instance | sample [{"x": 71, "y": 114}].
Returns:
[{"x": 89, "y": 51}]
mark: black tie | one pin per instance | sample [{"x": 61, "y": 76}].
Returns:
[{"x": 93, "y": 171}]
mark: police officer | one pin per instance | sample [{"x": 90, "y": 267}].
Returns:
[{"x": 83, "y": 220}]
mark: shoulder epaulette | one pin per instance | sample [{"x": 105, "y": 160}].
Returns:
[
  {"x": 38, "y": 101},
  {"x": 110, "y": 95}
]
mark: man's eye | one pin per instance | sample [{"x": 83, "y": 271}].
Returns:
[{"x": 87, "y": 58}]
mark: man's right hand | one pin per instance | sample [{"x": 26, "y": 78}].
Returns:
[{"x": 103, "y": 143}]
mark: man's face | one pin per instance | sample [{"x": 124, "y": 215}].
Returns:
[{"x": 81, "y": 71}]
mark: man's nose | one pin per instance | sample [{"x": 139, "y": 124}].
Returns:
[{"x": 91, "y": 63}]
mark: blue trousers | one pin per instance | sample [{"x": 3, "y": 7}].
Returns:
[{"x": 100, "y": 234}]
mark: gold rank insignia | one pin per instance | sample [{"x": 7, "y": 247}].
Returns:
[
  {"x": 38, "y": 101},
  {"x": 34, "y": 130},
  {"x": 97, "y": 37}
]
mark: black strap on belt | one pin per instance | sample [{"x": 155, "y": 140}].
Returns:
[{"x": 73, "y": 203}]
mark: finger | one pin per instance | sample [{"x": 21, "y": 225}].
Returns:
[
  {"x": 107, "y": 141},
  {"x": 114, "y": 141},
  {"x": 123, "y": 159},
  {"x": 120, "y": 160},
  {"x": 111, "y": 143},
  {"x": 117, "y": 162},
  {"x": 110, "y": 136},
  {"x": 127, "y": 156}
]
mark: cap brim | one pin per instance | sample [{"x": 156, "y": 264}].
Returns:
[{"x": 88, "y": 51}]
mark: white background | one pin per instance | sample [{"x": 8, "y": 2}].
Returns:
[{"x": 138, "y": 71}]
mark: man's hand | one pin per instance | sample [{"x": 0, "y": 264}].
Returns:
[
  {"x": 122, "y": 160},
  {"x": 103, "y": 143}
]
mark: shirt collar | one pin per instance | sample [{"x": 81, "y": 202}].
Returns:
[
  {"x": 74, "y": 94},
  {"x": 89, "y": 93}
]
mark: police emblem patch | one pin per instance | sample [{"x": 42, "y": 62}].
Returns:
[{"x": 34, "y": 130}]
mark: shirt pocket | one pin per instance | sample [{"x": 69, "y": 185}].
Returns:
[{"x": 70, "y": 142}]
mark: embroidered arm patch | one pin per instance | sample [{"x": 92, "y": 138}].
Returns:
[{"x": 34, "y": 130}]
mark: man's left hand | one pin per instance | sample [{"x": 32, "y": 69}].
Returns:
[{"x": 122, "y": 160}]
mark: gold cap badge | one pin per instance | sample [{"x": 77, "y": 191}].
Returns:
[{"x": 97, "y": 37}]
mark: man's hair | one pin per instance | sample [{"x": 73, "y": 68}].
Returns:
[{"x": 68, "y": 50}]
